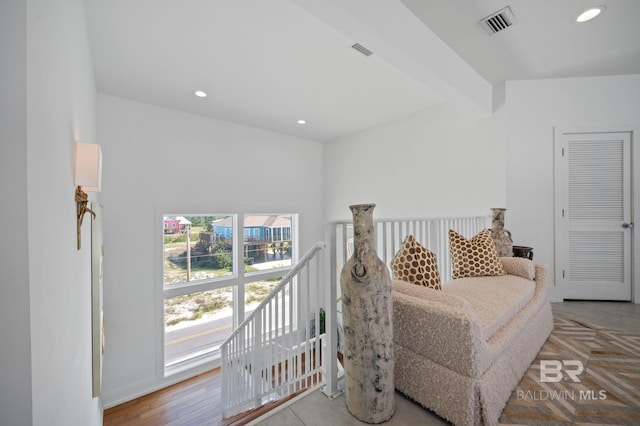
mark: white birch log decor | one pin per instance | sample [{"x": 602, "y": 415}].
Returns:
[{"x": 368, "y": 329}]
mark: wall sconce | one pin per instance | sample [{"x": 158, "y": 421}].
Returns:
[{"x": 88, "y": 177}]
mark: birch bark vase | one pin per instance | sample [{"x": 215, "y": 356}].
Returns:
[
  {"x": 368, "y": 330},
  {"x": 500, "y": 236}
]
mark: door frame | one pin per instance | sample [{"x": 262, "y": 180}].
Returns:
[{"x": 634, "y": 130}]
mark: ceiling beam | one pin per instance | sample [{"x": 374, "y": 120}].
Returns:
[{"x": 393, "y": 33}]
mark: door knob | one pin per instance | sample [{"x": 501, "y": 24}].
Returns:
[{"x": 627, "y": 225}]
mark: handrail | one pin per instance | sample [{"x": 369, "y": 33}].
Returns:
[
  {"x": 279, "y": 348},
  {"x": 292, "y": 272},
  {"x": 412, "y": 219}
]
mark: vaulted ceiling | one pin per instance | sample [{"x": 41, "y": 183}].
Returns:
[{"x": 271, "y": 63}]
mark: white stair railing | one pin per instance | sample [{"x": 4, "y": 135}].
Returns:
[
  {"x": 431, "y": 233},
  {"x": 282, "y": 347},
  {"x": 279, "y": 348}
]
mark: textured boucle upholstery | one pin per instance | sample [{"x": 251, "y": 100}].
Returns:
[
  {"x": 509, "y": 292},
  {"x": 518, "y": 266},
  {"x": 449, "y": 354},
  {"x": 429, "y": 294},
  {"x": 430, "y": 335}
]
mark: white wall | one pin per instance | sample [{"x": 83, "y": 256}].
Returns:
[
  {"x": 60, "y": 109},
  {"x": 15, "y": 335},
  {"x": 160, "y": 160},
  {"x": 439, "y": 162},
  {"x": 533, "y": 109},
  {"x": 48, "y": 100}
]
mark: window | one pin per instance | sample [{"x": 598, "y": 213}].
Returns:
[{"x": 215, "y": 272}]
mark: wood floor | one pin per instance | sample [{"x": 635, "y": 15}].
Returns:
[
  {"x": 192, "y": 402},
  {"x": 196, "y": 401}
]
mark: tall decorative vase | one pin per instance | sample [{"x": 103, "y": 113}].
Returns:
[
  {"x": 502, "y": 237},
  {"x": 368, "y": 329}
]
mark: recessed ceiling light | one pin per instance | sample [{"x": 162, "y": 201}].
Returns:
[
  {"x": 200, "y": 94},
  {"x": 590, "y": 13},
  {"x": 302, "y": 121}
]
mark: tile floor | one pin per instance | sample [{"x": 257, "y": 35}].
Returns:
[
  {"x": 315, "y": 409},
  {"x": 614, "y": 315}
]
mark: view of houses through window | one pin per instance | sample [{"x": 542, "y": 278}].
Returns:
[{"x": 216, "y": 270}]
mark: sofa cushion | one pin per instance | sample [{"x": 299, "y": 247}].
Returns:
[
  {"x": 476, "y": 257},
  {"x": 494, "y": 300},
  {"x": 415, "y": 264}
]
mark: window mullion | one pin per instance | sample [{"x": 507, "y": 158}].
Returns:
[
  {"x": 206, "y": 285},
  {"x": 238, "y": 266},
  {"x": 196, "y": 287}
]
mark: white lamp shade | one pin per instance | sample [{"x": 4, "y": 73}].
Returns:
[{"x": 88, "y": 166}]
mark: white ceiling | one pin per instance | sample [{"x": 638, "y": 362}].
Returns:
[
  {"x": 544, "y": 42},
  {"x": 269, "y": 63}
]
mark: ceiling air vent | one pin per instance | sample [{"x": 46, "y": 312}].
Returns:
[
  {"x": 360, "y": 48},
  {"x": 498, "y": 21}
]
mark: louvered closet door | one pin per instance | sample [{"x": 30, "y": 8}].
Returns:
[{"x": 593, "y": 203}]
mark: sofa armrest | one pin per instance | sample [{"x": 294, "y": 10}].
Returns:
[
  {"x": 431, "y": 294},
  {"x": 541, "y": 275},
  {"x": 518, "y": 266},
  {"x": 448, "y": 335}
]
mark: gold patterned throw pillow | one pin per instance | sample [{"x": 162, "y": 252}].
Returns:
[
  {"x": 475, "y": 257},
  {"x": 415, "y": 264}
]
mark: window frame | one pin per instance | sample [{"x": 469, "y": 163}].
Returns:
[{"x": 238, "y": 279}]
